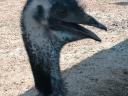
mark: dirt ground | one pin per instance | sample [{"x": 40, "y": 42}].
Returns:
[{"x": 89, "y": 68}]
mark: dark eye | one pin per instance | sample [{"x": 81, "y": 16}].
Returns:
[
  {"x": 40, "y": 10},
  {"x": 39, "y": 13}
]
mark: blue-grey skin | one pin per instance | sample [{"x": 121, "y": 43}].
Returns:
[
  {"x": 72, "y": 11},
  {"x": 45, "y": 36}
]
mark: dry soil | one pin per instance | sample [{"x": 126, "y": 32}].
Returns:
[{"x": 89, "y": 68}]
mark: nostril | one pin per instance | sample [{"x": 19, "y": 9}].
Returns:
[{"x": 125, "y": 72}]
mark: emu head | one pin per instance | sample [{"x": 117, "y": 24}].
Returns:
[
  {"x": 62, "y": 19},
  {"x": 47, "y": 25}
]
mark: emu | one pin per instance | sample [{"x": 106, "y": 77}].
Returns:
[{"x": 47, "y": 25}]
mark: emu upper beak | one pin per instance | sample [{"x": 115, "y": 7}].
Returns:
[
  {"x": 85, "y": 19},
  {"x": 93, "y": 22}
]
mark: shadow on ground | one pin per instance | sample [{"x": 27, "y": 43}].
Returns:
[
  {"x": 122, "y": 3},
  {"x": 103, "y": 74}
]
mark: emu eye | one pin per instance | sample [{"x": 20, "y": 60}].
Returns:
[
  {"x": 39, "y": 13},
  {"x": 40, "y": 10}
]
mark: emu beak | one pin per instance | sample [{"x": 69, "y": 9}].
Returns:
[
  {"x": 93, "y": 22},
  {"x": 86, "y": 32},
  {"x": 85, "y": 19},
  {"x": 72, "y": 30}
]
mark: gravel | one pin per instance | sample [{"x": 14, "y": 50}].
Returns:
[{"x": 89, "y": 68}]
